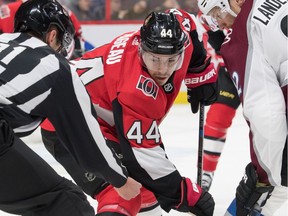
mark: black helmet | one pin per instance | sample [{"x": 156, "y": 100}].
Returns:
[
  {"x": 39, "y": 15},
  {"x": 161, "y": 33}
]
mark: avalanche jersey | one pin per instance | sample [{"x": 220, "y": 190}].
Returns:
[{"x": 255, "y": 53}]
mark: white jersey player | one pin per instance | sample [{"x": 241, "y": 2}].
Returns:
[{"x": 255, "y": 53}]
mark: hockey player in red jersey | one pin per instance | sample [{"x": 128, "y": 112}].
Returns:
[
  {"x": 7, "y": 13},
  {"x": 259, "y": 67},
  {"x": 37, "y": 82},
  {"x": 221, "y": 113},
  {"x": 133, "y": 82}
]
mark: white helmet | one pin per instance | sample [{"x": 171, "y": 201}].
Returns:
[{"x": 207, "y": 5}]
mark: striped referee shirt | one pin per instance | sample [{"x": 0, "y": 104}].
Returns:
[{"x": 37, "y": 83}]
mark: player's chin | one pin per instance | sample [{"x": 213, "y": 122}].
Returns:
[{"x": 161, "y": 81}]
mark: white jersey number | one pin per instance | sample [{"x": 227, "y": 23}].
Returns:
[{"x": 135, "y": 132}]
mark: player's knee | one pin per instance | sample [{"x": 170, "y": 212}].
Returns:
[{"x": 109, "y": 201}]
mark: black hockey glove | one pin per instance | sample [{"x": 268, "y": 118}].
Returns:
[
  {"x": 202, "y": 87},
  {"x": 195, "y": 200},
  {"x": 250, "y": 193}
]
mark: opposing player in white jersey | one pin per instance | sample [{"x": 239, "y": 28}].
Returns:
[
  {"x": 37, "y": 82},
  {"x": 255, "y": 53},
  {"x": 221, "y": 113}
]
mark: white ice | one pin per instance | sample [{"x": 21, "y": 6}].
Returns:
[{"x": 180, "y": 136}]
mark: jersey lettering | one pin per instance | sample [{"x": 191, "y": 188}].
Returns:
[
  {"x": 268, "y": 9},
  {"x": 135, "y": 132},
  {"x": 236, "y": 80},
  {"x": 228, "y": 36},
  {"x": 90, "y": 69},
  {"x": 117, "y": 49},
  {"x": 16, "y": 51},
  {"x": 153, "y": 133}
]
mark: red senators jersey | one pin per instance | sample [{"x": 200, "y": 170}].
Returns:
[
  {"x": 130, "y": 105},
  {"x": 118, "y": 75}
]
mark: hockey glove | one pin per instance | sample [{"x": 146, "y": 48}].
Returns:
[
  {"x": 250, "y": 193},
  {"x": 195, "y": 200},
  {"x": 202, "y": 87}
]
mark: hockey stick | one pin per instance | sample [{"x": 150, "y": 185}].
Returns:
[
  {"x": 200, "y": 144},
  {"x": 231, "y": 210}
]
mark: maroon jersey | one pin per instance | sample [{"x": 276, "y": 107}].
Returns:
[
  {"x": 255, "y": 53},
  {"x": 234, "y": 49}
]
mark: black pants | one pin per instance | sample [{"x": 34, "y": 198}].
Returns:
[
  {"x": 30, "y": 187},
  {"x": 88, "y": 182}
]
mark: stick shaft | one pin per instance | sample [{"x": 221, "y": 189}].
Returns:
[{"x": 200, "y": 144}]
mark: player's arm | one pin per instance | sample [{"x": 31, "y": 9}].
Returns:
[
  {"x": 74, "y": 119},
  {"x": 89, "y": 183},
  {"x": 146, "y": 160},
  {"x": 201, "y": 78}
]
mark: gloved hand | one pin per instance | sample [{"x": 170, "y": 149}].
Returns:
[
  {"x": 250, "y": 192},
  {"x": 202, "y": 87},
  {"x": 204, "y": 206},
  {"x": 195, "y": 200}
]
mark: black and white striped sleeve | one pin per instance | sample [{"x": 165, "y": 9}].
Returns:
[
  {"x": 37, "y": 83},
  {"x": 74, "y": 118}
]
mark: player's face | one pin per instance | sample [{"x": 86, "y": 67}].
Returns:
[
  {"x": 161, "y": 67},
  {"x": 222, "y": 17}
]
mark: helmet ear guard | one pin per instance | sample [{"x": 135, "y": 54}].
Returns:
[
  {"x": 161, "y": 33},
  {"x": 38, "y": 16}
]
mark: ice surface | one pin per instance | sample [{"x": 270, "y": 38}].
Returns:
[{"x": 179, "y": 133}]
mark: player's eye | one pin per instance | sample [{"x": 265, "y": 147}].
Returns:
[
  {"x": 172, "y": 60},
  {"x": 154, "y": 59}
]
